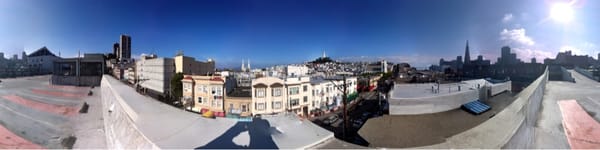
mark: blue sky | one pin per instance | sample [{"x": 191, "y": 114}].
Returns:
[{"x": 284, "y": 31}]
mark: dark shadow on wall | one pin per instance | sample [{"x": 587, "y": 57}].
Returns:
[{"x": 259, "y": 130}]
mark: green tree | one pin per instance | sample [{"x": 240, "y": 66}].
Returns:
[
  {"x": 321, "y": 60},
  {"x": 177, "y": 86}
]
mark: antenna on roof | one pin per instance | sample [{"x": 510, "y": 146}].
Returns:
[{"x": 179, "y": 53}]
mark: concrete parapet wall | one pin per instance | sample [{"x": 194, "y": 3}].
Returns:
[
  {"x": 500, "y": 87},
  {"x": 513, "y": 127},
  {"x": 566, "y": 75},
  {"x": 76, "y": 81},
  {"x": 426, "y": 105},
  {"x": 587, "y": 73},
  {"x": 120, "y": 128}
]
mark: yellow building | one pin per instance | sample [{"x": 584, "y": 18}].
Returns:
[
  {"x": 204, "y": 93},
  {"x": 189, "y": 66}
]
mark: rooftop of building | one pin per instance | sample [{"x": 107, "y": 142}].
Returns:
[
  {"x": 240, "y": 92},
  {"x": 283, "y": 131},
  {"x": 41, "y": 52},
  {"x": 85, "y": 58},
  {"x": 425, "y": 89}
]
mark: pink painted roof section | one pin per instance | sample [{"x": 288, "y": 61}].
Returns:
[
  {"x": 583, "y": 132},
  {"x": 56, "y": 109},
  {"x": 9, "y": 140}
]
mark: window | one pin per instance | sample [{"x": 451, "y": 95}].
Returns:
[
  {"x": 186, "y": 87},
  {"x": 260, "y": 92},
  {"x": 305, "y": 88},
  {"x": 276, "y": 92},
  {"x": 199, "y": 88},
  {"x": 244, "y": 108},
  {"x": 216, "y": 103},
  {"x": 260, "y": 106},
  {"x": 277, "y": 105},
  {"x": 217, "y": 91},
  {"x": 199, "y": 99},
  {"x": 294, "y": 102},
  {"x": 294, "y": 90},
  {"x": 305, "y": 99}
]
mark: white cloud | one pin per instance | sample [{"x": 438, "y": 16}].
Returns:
[
  {"x": 525, "y": 54},
  {"x": 139, "y": 56},
  {"x": 516, "y": 36},
  {"x": 507, "y": 18}
]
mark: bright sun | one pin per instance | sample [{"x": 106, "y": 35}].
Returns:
[{"x": 562, "y": 12}]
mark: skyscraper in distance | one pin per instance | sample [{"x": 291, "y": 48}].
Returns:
[
  {"x": 116, "y": 50},
  {"x": 467, "y": 54},
  {"x": 125, "y": 48}
]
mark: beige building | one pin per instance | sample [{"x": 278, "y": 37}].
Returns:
[
  {"x": 189, "y": 65},
  {"x": 206, "y": 93},
  {"x": 298, "y": 94},
  {"x": 239, "y": 102},
  {"x": 268, "y": 95}
]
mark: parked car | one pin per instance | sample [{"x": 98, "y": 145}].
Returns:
[
  {"x": 366, "y": 115},
  {"x": 331, "y": 119},
  {"x": 357, "y": 123}
]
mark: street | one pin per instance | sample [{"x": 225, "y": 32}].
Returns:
[{"x": 365, "y": 107}]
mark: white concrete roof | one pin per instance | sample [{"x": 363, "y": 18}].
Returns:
[
  {"x": 424, "y": 90},
  {"x": 169, "y": 127}
]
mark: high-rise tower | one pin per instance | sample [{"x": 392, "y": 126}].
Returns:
[
  {"x": 125, "y": 48},
  {"x": 467, "y": 55}
]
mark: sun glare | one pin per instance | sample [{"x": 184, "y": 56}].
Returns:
[{"x": 562, "y": 12}]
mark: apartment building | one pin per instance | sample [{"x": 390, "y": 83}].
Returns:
[
  {"x": 238, "y": 102},
  {"x": 206, "y": 93},
  {"x": 298, "y": 93},
  {"x": 268, "y": 95},
  {"x": 155, "y": 74}
]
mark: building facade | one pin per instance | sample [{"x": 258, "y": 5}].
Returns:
[
  {"x": 296, "y": 70},
  {"x": 238, "y": 102},
  {"x": 268, "y": 95},
  {"x": 298, "y": 94},
  {"x": 124, "y": 53},
  {"x": 189, "y": 65},
  {"x": 41, "y": 61},
  {"x": 155, "y": 73},
  {"x": 206, "y": 93},
  {"x": 85, "y": 71}
]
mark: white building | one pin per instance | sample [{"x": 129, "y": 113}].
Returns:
[
  {"x": 155, "y": 73},
  {"x": 299, "y": 92},
  {"x": 296, "y": 70},
  {"x": 41, "y": 61}
]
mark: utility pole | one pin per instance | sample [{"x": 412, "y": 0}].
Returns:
[
  {"x": 345, "y": 98},
  {"x": 344, "y": 102}
]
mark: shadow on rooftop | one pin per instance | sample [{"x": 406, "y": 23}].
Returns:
[{"x": 259, "y": 131}]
